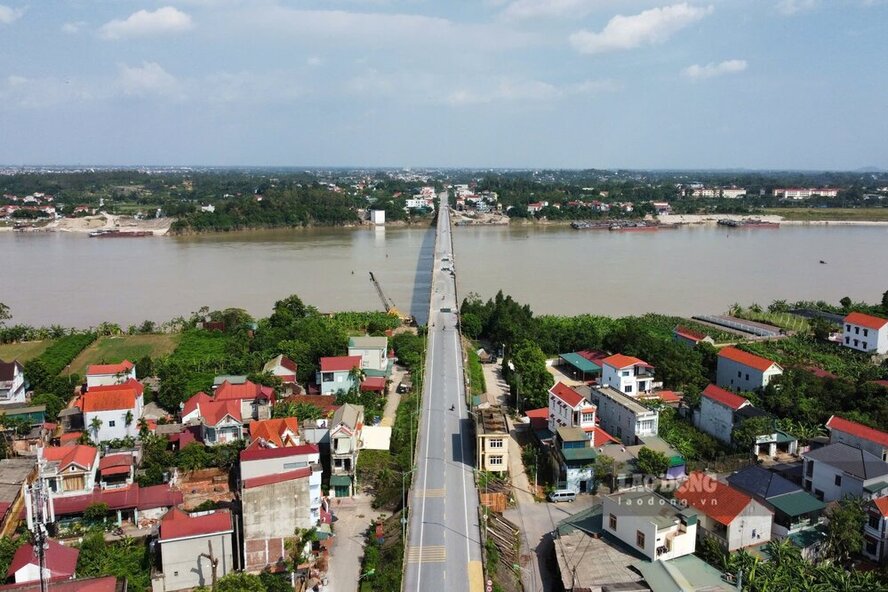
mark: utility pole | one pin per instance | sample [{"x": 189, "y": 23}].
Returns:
[
  {"x": 39, "y": 511},
  {"x": 214, "y": 563}
]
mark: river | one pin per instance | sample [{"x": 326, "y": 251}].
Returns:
[{"x": 74, "y": 280}]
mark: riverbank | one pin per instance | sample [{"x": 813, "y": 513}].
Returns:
[
  {"x": 712, "y": 219},
  {"x": 103, "y": 221}
]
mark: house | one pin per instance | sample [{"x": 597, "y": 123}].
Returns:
[
  {"x": 280, "y": 492},
  {"x": 661, "y": 207},
  {"x": 230, "y": 378},
  {"x": 373, "y": 352},
  {"x": 59, "y": 563},
  {"x": 797, "y": 514},
  {"x": 492, "y": 440},
  {"x": 189, "y": 543},
  {"x": 690, "y": 337},
  {"x": 733, "y": 518},
  {"x": 15, "y": 473},
  {"x": 875, "y": 530},
  {"x": 69, "y": 470},
  {"x": 858, "y": 435},
  {"x": 110, "y": 374},
  {"x": 627, "y": 374},
  {"x": 100, "y": 584},
  {"x": 623, "y": 416},
  {"x": 256, "y": 401},
  {"x": 219, "y": 420},
  {"x": 12, "y": 383},
  {"x": 535, "y": 207},
  {"x": 131, "y": 503},
  {"x": 579, "y": 366},
  {"x": 575, "y": 455},
  {"x": 116, "y": 470},
  {"x": 276, "y": 433},
  {"x": 345, "y": 445},
  {"x": 836, "y": 471},
  {"x": 282, "y": 367},
  {"x": 650, "y": 524},
  {"x": 742, "y": 371},
  {"x": 569, "y": 408},
  {"x": 717, "y": 414},
  {"x": 865, "y": 333},
  {"x": 338, "y": 374},
  {"x": 111, "y": 412}
]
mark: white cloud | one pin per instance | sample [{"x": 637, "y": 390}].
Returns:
[
  {"x": 314, "y": 61},
  {"x": 148, "y": 79},
  {"x": 73, "y": 27},
  {"x": 791, "y": 7},
  {"x": 8, "y": 15},
  {"x": 41, "y": 93},
  {"x": 146, "y": 23},
  {"x": 646, "y": 28},
  {"x": 531, "y": 9},
  {"x": 698, "y": 72},
  {"x": 528, "y": 91}
]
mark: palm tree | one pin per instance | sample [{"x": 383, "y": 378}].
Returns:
[
  {"x": 95, "y": 425},
  {"x": 128, "y": 418},
  {"x": 143, "y": 427}
]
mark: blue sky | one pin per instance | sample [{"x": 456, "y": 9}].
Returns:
[{"x": 481, "y": 83}]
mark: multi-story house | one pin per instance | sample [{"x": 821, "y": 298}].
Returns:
[
  {"x": 13, "y": 386},
  {"x": 575, "y": 453},
  {"x": 338, "y": 374},
  {"x": 189, "y": 544},
  {"x": 569, "y": 408},
  {"x": 345, "y": 445},
  {"x": 69, "y": 470},
  {"x": 717, "y": 415},
  {"x": 110, "y": 374},
  {"x": 373, "y": 352},
  {"x": 282, "y": 367},
  {"x": 836, "y": 471},
  {"x": 256, "y": 401},
  {"x": 492, "y": 440},
  {"x": 276, "y": 433},
  {"x": 875, "y": 530},
  {"x": 742, "y": 371},
  {"x": 865, "y": 333},
  {"x": 627, "y": 374},
  {"x": 220, "y": 421},
  {"x": 112, "y": 412},
  {"x": 731, "y": 517},
  {"x": 623, "y": 417},
  {"x": 858, "y": 435},
  {"x": 650, "y": 524}
]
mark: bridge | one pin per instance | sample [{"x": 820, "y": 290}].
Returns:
[{"x": 443, "y": 548}]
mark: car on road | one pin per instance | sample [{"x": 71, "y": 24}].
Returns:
[{"x": 562, "y": 495}]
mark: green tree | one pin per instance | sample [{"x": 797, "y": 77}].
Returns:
[
  {"x": 651, "y": 462},
  {"x": 95, "y": 425},
  {"x": 53, "y": 403},
  {"x": 240, "y": 582},
  {"x": 287, "y": 311},
  {"x": 605, "y": 468},
  {"x": 846, "y": 303},
  {"x": 194, "y": 457},
  {"x": 820, "y": 328},
  {"x": 744, "y": 435},
  {"x": 470, "y": 324},
  {"x": 844, "y": 535},
  {"x": 97, "y": 512},
  {"x": 530, "y": 379},
  {"x": 5, "y": 314}
]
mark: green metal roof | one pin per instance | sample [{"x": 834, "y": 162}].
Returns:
[
  {"x": 575, "y": 454},
  {"x": 797, "y": 504},
  {"x": 683, "y": 573},
  {"x": 876, "y": 487},
  {"x": 581, "y": 363},
  {"x": 808, "y": 537},
  {"x": 340, "y": 481}
]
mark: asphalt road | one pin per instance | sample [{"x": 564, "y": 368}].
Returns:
[{"x": 444, "y": 549}]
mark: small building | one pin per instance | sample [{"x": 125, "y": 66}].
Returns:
[
  {"x": 131, "y": 503},
  {"x": 282, "y": 367},
  {"x": 373, "y": 352},
  {"x": 856, "y": 434},
  {"x": 836, "y": 471},
  {"x": 345, "y": 445},
  {"x": 627, "y": 374},
  {"x": 580, "y": 366},
  {"x": 59, "y": 563},
  {"x": 14, "y": 473},
  {"x": 13, "y": 386},
  {"x": 731, "y": 517},
  {"x": 576, "y": 457},
  {"x": 865, "y": 333},
  {"x": 256, "y": 401},
  {"x": 190, "y": 544},
  {"x": 661, "y": 207},
  {"x": 875, "y": 530},
  {"x": 111, "y": 412},
  {"x": 377, "y": 217},
  {"x": 110, "y": 374},
  {"x": 338, "y": 374},
  {"x": 219, "y": 420},
  {"x": 69, "y": 470},
  {"x": 569, "y": 408},
  {"x": 651, "y": 524},
  {"x": 100, "y": 584},
  {"x": 234, "y": 379},
  {"x": 492, "y": 434},
  {"x": 717, "y": 415},
  {"x": 276, "y": 433},
  {"x": 742, "y": 371},
  {"x": 686, "y": 336},
  {"x": 116, "y": 470},
  {"x": 623, "y": 416}
]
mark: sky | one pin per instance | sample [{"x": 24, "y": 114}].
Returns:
[{"x": 761, "y": 84}]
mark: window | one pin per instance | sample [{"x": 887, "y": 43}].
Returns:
[
  {"x": 627, "y": 388},
  {"x": 495, "y": 442},
  {"x": 327, "y": 377},
  {"x": 848, "y": 328},
  {"x": 874, "y": 520},
  {"x": 111, "y": 423},
  {"x": 870, "y": 546},
  {"x": 747, "y": 377},
  {"x": 856, "y": 342},
  {"x": 847, "y": 340},
  {"x": 495, "y": 460},
  {"x": 739, "y": 375},
  {"x": 864, "y": 345},
  {"x": 865, "y": 332},
  {"x": 857, "y": 330},
  {"x": 838, "y": 481},
  {"x": 613, "y": 522},
  {"x": 625, "y": 373},
  {"x": 639, "y": 539}
]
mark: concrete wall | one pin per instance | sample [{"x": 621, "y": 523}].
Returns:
[
  {"x": 876, "y": 341},
  {"x": 272, "y": 466},
  {"x": 341, "y": 382},
  {"x": 631, "y": 519},
  {"x": 109, "y": 379},
  {"x": 738, "y": 377},
  {"x": 824, "y": 480},
  {"x": 271, "y": 515},
  {"x": 715, "y": 419},
  {"x": 751, "y": 527},
  {"x": 622, "y": 422},
  {"x": 371, "y": 358},
  {"x": 184, "y": 568},
  {"x": 118, "y": 430},
  {"x": 873, "y": 448}
]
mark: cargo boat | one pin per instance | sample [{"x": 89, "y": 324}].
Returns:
[
  {"x": 747, "y": 223},
  {"x": 120, "y": 234}
]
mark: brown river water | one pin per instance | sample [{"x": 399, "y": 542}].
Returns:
[{"x": 75, "y": 280}]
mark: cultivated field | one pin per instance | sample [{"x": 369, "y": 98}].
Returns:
[
  {"x": 23, "y": 351},
  {"x": 837, "y": 214},
  {"x": 111, "y": 350}
]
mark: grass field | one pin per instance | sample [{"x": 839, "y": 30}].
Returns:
[
  {"x": 23, "y": 352},
  {"x": 784, "y": 320},
  {"x": 132, "y": 347},
  {"x": 839, "y": 214}
]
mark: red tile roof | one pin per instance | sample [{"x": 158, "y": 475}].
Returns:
[
  {"x": 340, "y": 363},
  {"x": 116, "y": 464},
  {"x": 132, "y": 383},
  {"x": 857, "y": 429},
  {"x": 69, "y": 438},
  {"x": 373, "y": 383},
  {"x": 176, "y": 524},
  {"x": 273, "y": 430},
  {"x": 881, "y": 504},
  {"x": 143, "y": 498},
  {"x": 121, "y": 368},
  {"x": 80, "y": 455},
  {"x": 102, "y": 584},
  {"x": 569, "y": 396},
  {"x": 668, "y": 396},
  {"x": 247, "y": 390},
  {"x": 213, "y": 412},
  {"x": 111, "y": 398},
  {"x": 600, "y": 437},
  {"x": 326, "y": 403},
  {"x": 865, "y": 320},
  {"x": 288, "y": 364},
  {"x": 726, "y": 398},
  {"x": 689, "y": 333},
  {"x": 195, "y": 400},
  {"x": 621, "y": 361},
  {"x": 747, "y": 359},
  {"x": 256, "y": 451},
  {"x": 717, "y": 500},
  {"x": 276, "y": 478},
  {"x": 61, "y": 561}
]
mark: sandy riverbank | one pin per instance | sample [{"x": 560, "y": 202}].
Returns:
[
  {"x": 159, "y": 226},
  {"x": 714, "y": 218}
]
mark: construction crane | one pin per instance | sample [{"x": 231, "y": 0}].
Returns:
[{"x": 387, "y": 303}]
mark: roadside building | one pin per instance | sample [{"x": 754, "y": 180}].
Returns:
[
  {"x": 338, "y": 374},
  {"x": 866, "y": 333},
  {"x": 373, "y": 352},
  {"x": 492, "y": 445},
  {"x": 569, "y": 408},
  {"x": 578, "y": 366},
  {"x": 14, "y": 473},
  {"x": 190, "y": 544},
  {"x": 69, "y": 470},
  {"x": 856, "y": 434},
  {"x": 110, "y": 374},
  {"x": 875, "y": 530},
  {"x": 345, "y": 445},
  {"x": 111, "y": 412},
  {"x": 690, "y": 337},
  {"x": 127, "y": 504},
  {"x": 13, "y": 386},
  {"x": 256, "y": 401},
  {"x": 650, "y": 524},
  {"x": 731, "y": 517},
  {"x": 742, "y": 371},
  {"x": 836, "y": 471},
  {"x": 59, "y": 563},
  {"x": 627, "y": 374},
  {"x": 575, "y": 456},
  {"x": 623, "y": 417}
]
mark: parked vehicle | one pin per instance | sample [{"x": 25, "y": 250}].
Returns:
[{"x": 562, "y": 495}]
